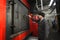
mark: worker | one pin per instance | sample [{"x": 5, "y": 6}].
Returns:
[{"x": 43, "y": 27}]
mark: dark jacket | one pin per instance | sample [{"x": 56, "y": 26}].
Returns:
[{"x": 43, "y": 29}]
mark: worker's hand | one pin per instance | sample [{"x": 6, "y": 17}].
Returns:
[{"x": 29, "y": 16}]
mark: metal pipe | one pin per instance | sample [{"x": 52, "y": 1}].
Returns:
[{"x": 12, "y": 16}]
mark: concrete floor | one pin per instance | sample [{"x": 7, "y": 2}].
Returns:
[
  {"x": 52, "y": 36},
  {"x": 32, "y": 38}
]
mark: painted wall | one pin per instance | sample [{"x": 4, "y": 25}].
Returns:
[
  {"x": 20, "y": 20},
  {"x": 2, "y": 19}
]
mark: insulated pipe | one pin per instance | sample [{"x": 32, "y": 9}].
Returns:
[
  {"x": 37, "y": 4},
  {"x": 51, "y": 1},
  {"x": 41, "y": 4}
]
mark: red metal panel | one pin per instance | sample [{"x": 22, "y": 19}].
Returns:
[
  {"x": 2, "y": 19},
  {"x": 30, "y": 24},
  {"x": 35, "y": 29},
  {"x": 21, "y": 36},
  {"x": 33, "y": 26}
]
